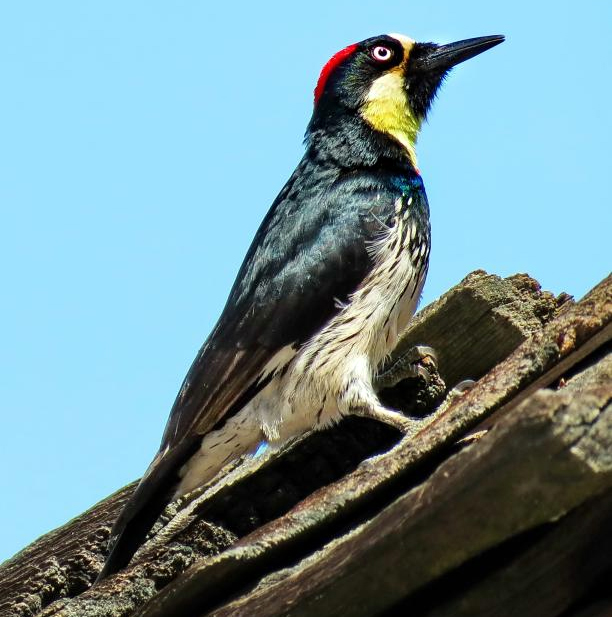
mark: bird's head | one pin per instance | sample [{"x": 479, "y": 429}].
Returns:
[{"x": 388, "y": 84}]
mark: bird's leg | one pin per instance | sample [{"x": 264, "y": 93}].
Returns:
[
  {"x": 408, "y": 426},
  {"x": 358, "y": 398},
  {"x": 415, "y": 362}
]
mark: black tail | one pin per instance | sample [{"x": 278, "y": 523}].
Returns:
[{"x": 145, "y": 505}]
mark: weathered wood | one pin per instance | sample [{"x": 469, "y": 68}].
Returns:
[
  {"x": 480, "y": 321},
  {"x": 536, "y": 574},
  {"x": 61, "y": 563},
  {"x": 318, "y": 517},
  {"x": 65, "y": 562},
  {"x": 541, "y": 572},
  {"x": 261, "y": 494},
  {"x": 601, "y": 607},
  {"x": 534, "y": 466}
]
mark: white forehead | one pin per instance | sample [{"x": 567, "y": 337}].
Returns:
[{"x": 406, "y": 41}]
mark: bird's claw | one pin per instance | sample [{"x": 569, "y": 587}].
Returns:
[
  {"x": 419, "y": 361},
  {"x": 457, "y": 392},
  {"x": 462, "y": 387}
]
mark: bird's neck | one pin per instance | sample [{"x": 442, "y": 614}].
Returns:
[{"x": 349, "y": 141}]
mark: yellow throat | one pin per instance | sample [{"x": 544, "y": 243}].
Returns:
[{"x": 386, "y": 107}]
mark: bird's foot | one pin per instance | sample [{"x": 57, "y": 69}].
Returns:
[
  {"x": 418, "y": 361},
  {"x": 411, "y": 383}
]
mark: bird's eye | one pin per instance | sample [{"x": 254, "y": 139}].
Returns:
[{"x": 380, "y": 53}]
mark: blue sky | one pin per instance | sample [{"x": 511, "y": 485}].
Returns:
[{"x": 142, "y": 142}]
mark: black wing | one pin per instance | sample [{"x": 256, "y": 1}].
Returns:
[{"x": 309, "y": 253}]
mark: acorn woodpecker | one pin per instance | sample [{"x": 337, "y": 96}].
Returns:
[{"x": 334, "y": 273}]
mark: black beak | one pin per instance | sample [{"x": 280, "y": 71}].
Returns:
[{"x": 444, "y": 57}]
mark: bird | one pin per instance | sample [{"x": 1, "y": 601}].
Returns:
[{"x": 332, "y": 277}]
